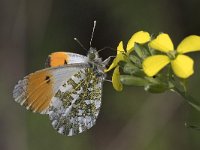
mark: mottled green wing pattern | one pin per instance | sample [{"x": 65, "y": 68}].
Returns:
[{"x": 76, "y": 105}]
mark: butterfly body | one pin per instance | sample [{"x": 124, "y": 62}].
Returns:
[{"x": 69, "y": 90}]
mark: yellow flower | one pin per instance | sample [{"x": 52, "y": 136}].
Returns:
[
  {"x": 120, "y": 56},
  {"x": 139, "y": 37},
  {"x": 116, "y": 80},
  {"x": 182, "y": 65}
]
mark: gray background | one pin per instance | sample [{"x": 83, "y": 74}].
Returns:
[{"x": 132, "y": 119}]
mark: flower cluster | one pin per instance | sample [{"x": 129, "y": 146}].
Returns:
[
  {"x": 154, "y": 63},
  {"x": 139, "y": 37}
]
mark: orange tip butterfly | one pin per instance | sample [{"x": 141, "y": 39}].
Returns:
[{"x": 69, "y": 90}]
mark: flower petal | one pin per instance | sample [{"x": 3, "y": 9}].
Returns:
[
  {"x": 162, "y": 43},
  {"x": 119, "y": 57},
  {"x": 183, "y": 66},
  {"x": 189, "y": 44},
  {"x": 153, "y": 64},
  {"x": 139, "y": 37},
  {"x": 113, "y": 65},
  {"x": 116, "y": 80},
  {"x": 120, "y": 48}
]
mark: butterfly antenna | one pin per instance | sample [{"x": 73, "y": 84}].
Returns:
[
  {"x": 80, "y": 44},
  {"x": 94, "y": 26},
  {"x": 107, "y": 48}
]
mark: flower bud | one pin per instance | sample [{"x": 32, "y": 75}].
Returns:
[
  {"x": 156, "y": 88},
  {"x": 131, "y": 69},
  {"x": 132, "y": 80}
]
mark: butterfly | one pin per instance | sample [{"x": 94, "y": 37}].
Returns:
[{"x": 69, "y": 90}]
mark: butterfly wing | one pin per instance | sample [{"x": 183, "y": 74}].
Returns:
[
  {"x": 36, "y": 90},
  {"x": 75, "y": 107},
  {"x": 61, "y": 58}
]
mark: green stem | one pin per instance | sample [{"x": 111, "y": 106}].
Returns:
[
  {"x": 192, "y": 125},
  {"x": 183, "y": 83},
  {"x": 190, "y": 100}
]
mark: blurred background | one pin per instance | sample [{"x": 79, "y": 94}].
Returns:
[{"x": 130, "y": 120}]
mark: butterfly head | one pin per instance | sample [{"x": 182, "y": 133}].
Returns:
[{"x": 93, "y": 55}]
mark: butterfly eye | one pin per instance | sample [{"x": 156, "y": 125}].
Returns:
[{"x": 92, "y": 56}]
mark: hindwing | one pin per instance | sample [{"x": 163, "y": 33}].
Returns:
[{"x": 76, "y": 105}]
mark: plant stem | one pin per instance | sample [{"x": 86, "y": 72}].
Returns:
[{"x": 192, "y": 101}]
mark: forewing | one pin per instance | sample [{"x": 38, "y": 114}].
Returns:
[
  {"x": 36, "y": 90},
  {"x": 62, "y": 58},
  {"x": 76, "y": 105}
]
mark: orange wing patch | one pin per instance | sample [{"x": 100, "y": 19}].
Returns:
[
  {"x": 35, "y": 91},
  {"x": 57, "y": 59},
  {"x": 39, "y": 91}
]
